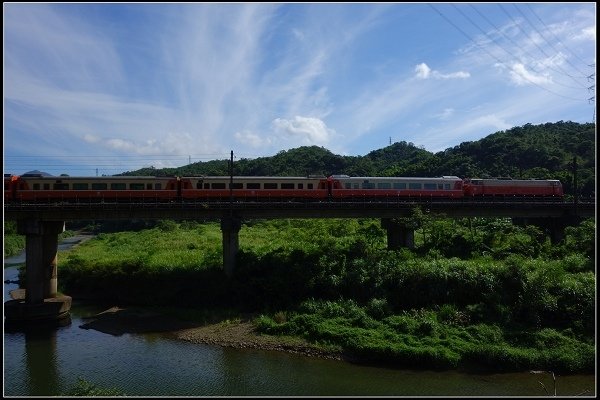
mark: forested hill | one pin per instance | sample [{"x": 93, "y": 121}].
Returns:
[{"x": 530, "y": 151}]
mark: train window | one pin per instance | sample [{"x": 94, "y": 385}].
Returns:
[
  {"x": 157, "y": 186},
  {"x": 36, "y": 186},
  {"x": 447, "y": 186},
  {"x": 80, "y": 186},
  {"x": 61, "y": 186},
  {"x": 430, "y": 186},
  {"x": 415, "y": 185},
  {"x": 399, "y": 185},
  {"x": 218, "y": 185},
  {"x": 367, "y": 185},
  {"x": 99, "y": 186},
  {"x": 384, "y": 185},
  {"x": 287, "y": 186},
  {"x": 309, "y": 186},
  {"x": 207, "y": 186},
  {"x": 118, "y": 186},
  {"x": 236, "y": 185},
  {"x": 252, "y": 185},
  {"x": 270, "y": 186},
  {"x": 136, "y": 186},
  {"x": 198, "y": 185},
  {"x": 46, "y": 186},
  {"x": 301, "y": 186},
  {"x": 348, "y": 185},
  {"x": 148, "y": 186}
]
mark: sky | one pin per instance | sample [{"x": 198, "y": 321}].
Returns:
[{"x": 103, "y": 88}]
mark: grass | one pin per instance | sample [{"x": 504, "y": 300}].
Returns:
[{"x": 332, "y": 284}]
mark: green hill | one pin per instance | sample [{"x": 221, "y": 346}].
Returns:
[{"x": 544, "y": 151}]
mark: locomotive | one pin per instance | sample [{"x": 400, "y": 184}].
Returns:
[{"x": 48, "y": 189}]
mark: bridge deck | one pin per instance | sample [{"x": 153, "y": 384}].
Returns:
[{"x": 297, "y": 209}]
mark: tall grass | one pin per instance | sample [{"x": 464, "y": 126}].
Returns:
[{"x": 333, "y": 282}]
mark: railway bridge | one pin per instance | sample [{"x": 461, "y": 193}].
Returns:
[{"x": 41, "y": 224}]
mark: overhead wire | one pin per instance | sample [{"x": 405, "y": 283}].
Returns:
[
  {"x": 513, "y": 42},
  {"x": 497, "y": 59},
  {"x": 560, "y": 70},
  {"x": 555, "y": 37},
  {"x": 108, "y": 163}
]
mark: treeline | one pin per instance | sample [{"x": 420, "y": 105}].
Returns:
[{"x": 544, "y": 151}]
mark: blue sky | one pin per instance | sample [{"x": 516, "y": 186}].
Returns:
[{"x": 117, "y": 87}]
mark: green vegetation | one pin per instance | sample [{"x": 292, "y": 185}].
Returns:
[
  {"x": 544, "y": 151},
  {"x": 15, "y": 243},
  {"x": 473, "y": 292},
  {"x": 478, "y": 292}
]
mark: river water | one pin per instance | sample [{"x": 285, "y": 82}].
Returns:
[{"x": 49, "y": 362}]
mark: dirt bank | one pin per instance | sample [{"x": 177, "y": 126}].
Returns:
[{"x": 239, "y": 333}]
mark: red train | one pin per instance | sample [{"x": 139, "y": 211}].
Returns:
[{"x": 38, "y": 188}]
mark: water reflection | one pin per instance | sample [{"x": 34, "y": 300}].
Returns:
[
  {"x": 40, "y": 355},
  {"x": 41, "y": 363}
]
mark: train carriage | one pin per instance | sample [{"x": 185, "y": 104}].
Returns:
[
  {"x": 396, "y": 187},
  {"x": 38, "y": 188},
  {"x": 254, "y": 188},
  {"x": 52, "y": 189},
  {"x": 500, "y": 187}
]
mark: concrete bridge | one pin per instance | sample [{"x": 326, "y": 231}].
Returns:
[{"x": 41, "y": 224}]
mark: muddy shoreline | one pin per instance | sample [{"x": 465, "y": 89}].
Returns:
[{"x": 239, "y": 333}]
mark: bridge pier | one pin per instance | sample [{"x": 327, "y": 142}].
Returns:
[
  {"x": 554, "y": 226},
  {"x": 230, "y": 226},
  {"x": 42, "y": 301},
  {"x": 398, "y": 234}
]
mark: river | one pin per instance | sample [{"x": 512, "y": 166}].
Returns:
[{"x": 49, "y": 362}]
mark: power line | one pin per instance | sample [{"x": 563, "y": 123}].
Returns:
[
  {"x": 534, "y": 42},
  {"x": 162, "y": 156},
  {"x": 552, "y": 32},
  {"x": 512, "y": 41},
  {"x": 496, "y": 58}
]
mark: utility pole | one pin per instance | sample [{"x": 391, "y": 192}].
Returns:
[
  {"x": 575, "y": 195},
  {"x": 592, "y": 89},
  {"x": 231, "y": 183}
]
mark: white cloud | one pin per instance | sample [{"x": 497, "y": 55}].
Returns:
[
  {"x": 453, "y": 75},
  {"x": 91, "y": 138},
  {"x": 424, "y": 72},
  {"x": 447, "y": 113},
  {"x": 309, "y": 130},
  {"x": 206, "y": 78},
  {"x": 251, "y": 139},
  {"x": 586, "y": 34},
  {"x": 521, "y": 76}
]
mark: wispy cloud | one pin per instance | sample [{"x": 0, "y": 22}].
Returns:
[{"x": 205, "y": 78}]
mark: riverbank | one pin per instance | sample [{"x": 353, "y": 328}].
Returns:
[{"x": 239, "y": 333}]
